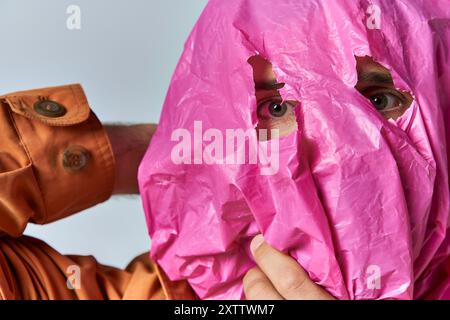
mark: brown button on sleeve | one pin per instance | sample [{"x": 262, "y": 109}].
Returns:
[{"x": 55, "y": 157}]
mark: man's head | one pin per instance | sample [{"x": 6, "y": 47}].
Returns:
[{"x": 362, "y": 185}]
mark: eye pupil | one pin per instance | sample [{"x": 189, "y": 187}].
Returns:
[
  {"x": 278, "y": 109},
  {"x": 380, "y": 101}
]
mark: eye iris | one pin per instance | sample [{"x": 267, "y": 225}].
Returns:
[
  {"x": 278, "y": 109},
  {"x": 380, "y": 101}
]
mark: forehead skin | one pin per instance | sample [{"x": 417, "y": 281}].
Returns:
[
  {"x": 366, "y": 66},
  {"x": 263, "y": 75},
  {"x": 262, "y": 70}
]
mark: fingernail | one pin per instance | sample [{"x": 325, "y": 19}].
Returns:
[{"x": 256, "y": 242}]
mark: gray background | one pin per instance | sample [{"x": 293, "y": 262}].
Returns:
[{"x": 124, "y": 56}]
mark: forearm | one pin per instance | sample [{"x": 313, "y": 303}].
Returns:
[{"x": 129, "y": 143}]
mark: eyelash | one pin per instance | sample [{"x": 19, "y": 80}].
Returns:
[
  {"x": 374, "y": 90},
  {"x": 371, "y": 92}
]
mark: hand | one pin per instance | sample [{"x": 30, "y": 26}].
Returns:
[{"x": 279, "y": 277}]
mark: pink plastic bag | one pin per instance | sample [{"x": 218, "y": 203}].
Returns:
[{"x": 362, "y": 203}]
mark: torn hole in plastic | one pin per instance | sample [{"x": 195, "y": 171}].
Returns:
[
  {"x": 376, "y": 83},
  {"x": 276, "y": 116}
]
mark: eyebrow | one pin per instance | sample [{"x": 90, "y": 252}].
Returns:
[
  {"x": 269, "y": 85},
  {"x": 376, "y": 77}
]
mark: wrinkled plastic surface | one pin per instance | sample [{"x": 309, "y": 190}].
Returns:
[{"x": 355, "y": 193}]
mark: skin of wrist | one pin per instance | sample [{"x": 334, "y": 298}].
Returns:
[{"x": 129, "y": 144}]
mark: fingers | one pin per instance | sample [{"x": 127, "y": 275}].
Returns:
[
  {"x": 258, "y": 287},
  {"x": 289, "y": 279}
]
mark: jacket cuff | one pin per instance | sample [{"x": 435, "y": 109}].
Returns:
[{"x": 61, "y": 140}]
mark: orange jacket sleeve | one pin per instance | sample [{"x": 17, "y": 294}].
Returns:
[
  {"x": 55, "y": 157},
  {"x": 56, "y": 160}
]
